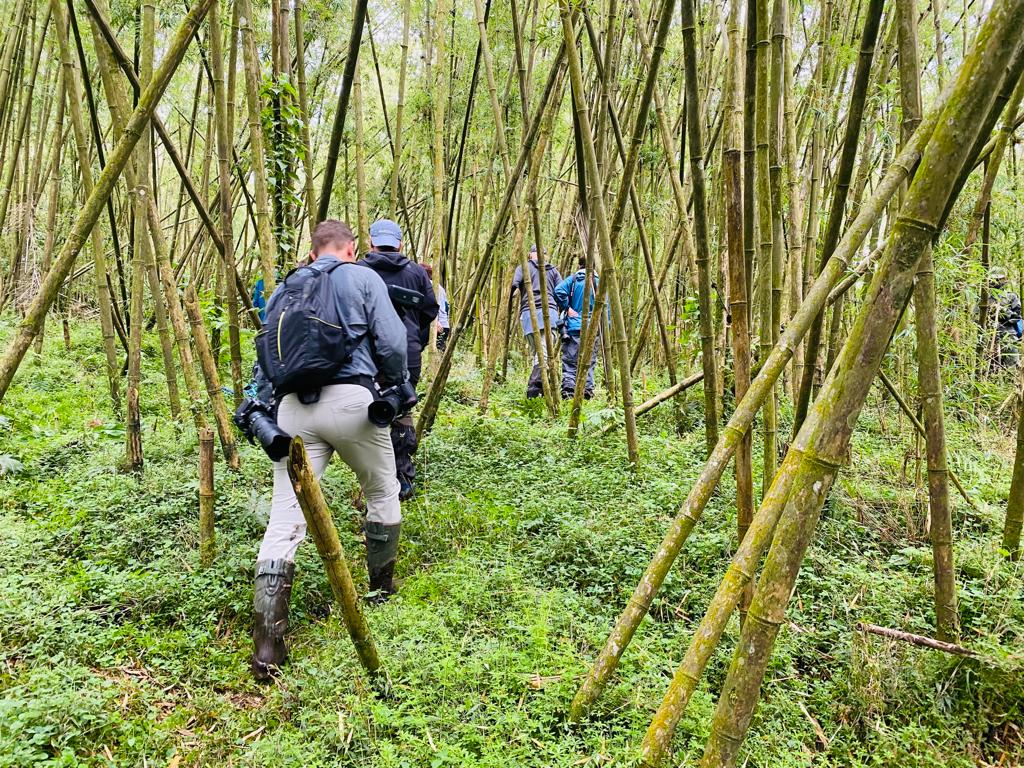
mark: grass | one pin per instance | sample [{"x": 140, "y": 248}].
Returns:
[{"x": 518, "y": 554}]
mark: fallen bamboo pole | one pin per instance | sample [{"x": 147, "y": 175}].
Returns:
[
  {"x": 658, "y": 399},
  {"x": 325, "y": 536},
  {"x": 919, "y": 640}
]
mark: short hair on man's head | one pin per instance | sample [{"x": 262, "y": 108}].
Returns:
[
  {"x": 582, "y": 262},
  {"x": 385, "y": 248},
  {"x": 331, "y": 232},
  {"x": 428, "y": 268}
]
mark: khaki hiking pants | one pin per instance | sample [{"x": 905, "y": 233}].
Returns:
[{"x": 337, "y": 422}]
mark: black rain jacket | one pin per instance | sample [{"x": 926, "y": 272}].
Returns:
[{"x": 396, "y": 270}]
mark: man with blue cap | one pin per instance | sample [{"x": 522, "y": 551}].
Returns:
[
  {"x": 548, "y": 319},
  {"x": 412, "y": 295}
]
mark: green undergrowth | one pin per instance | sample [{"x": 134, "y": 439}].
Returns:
[{"x": 518, "y": 553}]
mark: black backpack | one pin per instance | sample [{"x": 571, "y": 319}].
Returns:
[{"x": 304, "y": 341}]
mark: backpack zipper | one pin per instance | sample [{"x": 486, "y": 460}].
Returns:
[{"x": 280, "y": 321}]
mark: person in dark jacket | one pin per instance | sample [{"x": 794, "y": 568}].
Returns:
[
  {"x": 569, "y": 296},
  {"x": 413, "y": 298},
  {"x": 1006, "y": 307},
  {"x": 548, "y": 319}
]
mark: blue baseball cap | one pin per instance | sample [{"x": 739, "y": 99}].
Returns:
[{"x": 385, "y": 232}]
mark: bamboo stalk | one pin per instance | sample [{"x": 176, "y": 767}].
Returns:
[
  {"x": 362, "y": 217},
  {"x": 224, "y": 195},
  {"x": 739, "y": 575},
  {"x": 207, "y": 533},
  {"x": 212, "y": 378},
  {"x": 736, "y": 233},
  {"x": 775, "y": 110},
  {"x": 700, "y": 225},
  {"x": 170, "y": 291},
  {"x": 325, "y": 536},
  {"x": 400, "y": 108},
  {"x": 148, "y": 184},
  {"x": 843, "y": 177},
  {"x": 592, "y": 323},
  {"x": 74, "y": 96},
  {"x": 604, "y": 228},
  {"x": 11, "y": 43},
  {"x": 539, "y": 324},
  {"x": 141, "y": 253},
  {"x": 619, "y": 341},
  {"x": 919, "y": 427},
  {"x": 1015, "y": 501},
  {"x": 19, "y": 133},
  {"x": 53, "y": 202},
  {"x": 993, "y": 164},
  {"x": 947, "y": 619},
  {"x": 98, "y": 17},
  {"x": 658, "y": 399},
  {"x": 307, "y": 156},
  {"x": 251, "y": 65},
  {"x": 338, "y": 129},
  {"x": 668, "y": 143},
  {"x": 809, "y": 232},
  {"x": 765, "y": 225}
]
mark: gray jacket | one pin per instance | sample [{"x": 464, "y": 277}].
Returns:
[
  {"x": 553, "y": 278},
  {"x": 364, "y": 304}
]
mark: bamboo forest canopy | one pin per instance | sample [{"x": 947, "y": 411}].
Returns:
[{"x": 797, "y": 226}]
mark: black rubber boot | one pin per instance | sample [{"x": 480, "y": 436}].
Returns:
[
  {"x": 272, "y": 596},
  {"x": 381, "y": 553}
]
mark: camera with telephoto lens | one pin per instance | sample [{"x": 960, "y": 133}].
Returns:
[
  {"x": 392, "y": 403},
  {"x": 256, "y": 420}
]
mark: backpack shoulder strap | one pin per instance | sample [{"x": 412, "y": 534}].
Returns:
[{"x": 329, "y": 268}]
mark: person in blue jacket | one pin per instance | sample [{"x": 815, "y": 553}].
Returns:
[
  {"x": 259, "y": 299},
  {"x": 569, "y": 296}
]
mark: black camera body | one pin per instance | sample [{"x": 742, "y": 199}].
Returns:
[
  {"x": 392, "y": 403},
  {"x": 257, "y": 422}
]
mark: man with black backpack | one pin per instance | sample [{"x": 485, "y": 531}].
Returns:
[
  {"x": 412, "y": 295},
  {"x": 330, "y": 334}
]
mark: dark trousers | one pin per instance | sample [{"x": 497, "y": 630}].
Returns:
[
  {"x": 442, "y": 338},
  {"x": 570, "y": 365},
  {"x": 404, "y": 442},
  {"x": 534, "y": 387}
]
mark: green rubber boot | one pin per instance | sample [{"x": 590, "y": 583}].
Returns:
[
  {"x": 272, "y": 596},
  {"x": 381, "y": 553}
]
